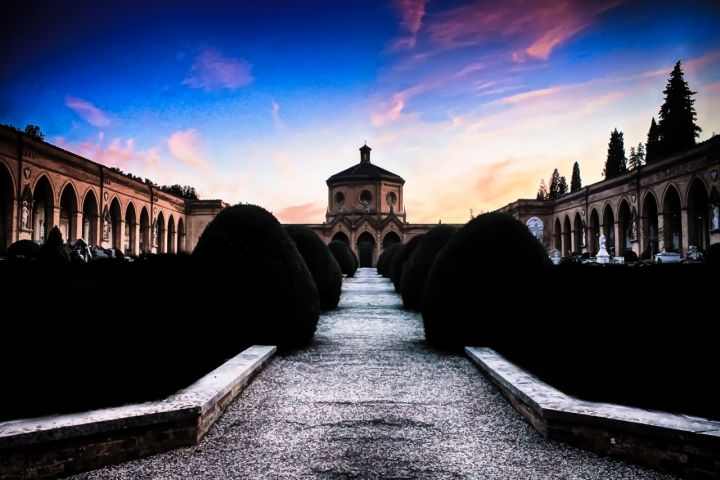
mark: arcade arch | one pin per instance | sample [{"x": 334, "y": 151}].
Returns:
[
  {"x": 366, "y": 249},
  {"x": 68, "y": 213},
  {"x": 557, "y": 236},
  {"x": 90, "y": 218},
  {"x": 594, "y": 232},
  {"x": 181, "y": 235},
  {"x": 625, "y": 227},
  {"x": 171, "y": 235},
  {"x": 162, "y": 240},
  {"x": 672, "y": 221},
  {"x": 6, "y": 207},
  {"x": 145, "y": 242},
  {"x": 577, "y": 233},
  {"x": 130, "y": 229},
  {"x": 390, "y": 239},
  {"x": 608, "y": 228},
  {"x": 341, "y": 237},
  {"x": 43, "y": 207},
  {"x": 698, "y": 215},
  {"x": 566, "y": 237}
]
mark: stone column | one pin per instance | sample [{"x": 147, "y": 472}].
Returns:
[
  {"x": 76, "y": 226},
  {"x": 118, "y": 235},
  {"x": 618, "y": 248},
  {"x": 661, "y": 232},
  {"x": 685, "y": 234},
  {"x": 573, "y": 241},
  {"x": 134, "y": 239},
  {"x": 563, "y": 242},
  {"x": 53, "y": 218}
]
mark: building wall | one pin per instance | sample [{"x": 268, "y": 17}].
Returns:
[
  {"x": 43, "y": 186},
  {"x": 682, "y": 186}
]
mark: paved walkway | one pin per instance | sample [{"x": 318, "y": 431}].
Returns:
[{"x": 369, "y": 399}]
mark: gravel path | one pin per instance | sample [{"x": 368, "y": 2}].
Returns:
[{"x": 370, "y": 400}]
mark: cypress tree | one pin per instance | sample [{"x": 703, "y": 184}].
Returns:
[
  {"x": 677, "y": 115},
  {"x": 616, "y": 162},
  {"x": 542, "y": 191},
  {"x": 653, "y": 146},
  {"x": 562, "y": 187},
  {"x": 636, "y": 157},
  {"x": 575, "y": 181},
  {"x": 554, "y": 190}
]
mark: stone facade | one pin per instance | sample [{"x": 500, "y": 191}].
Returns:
[
  {"x": 366, "y": 211},
  {"x": 671, "y": 203},
  {"x": 42, "y": 186}
]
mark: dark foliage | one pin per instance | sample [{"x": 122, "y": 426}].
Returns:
[
  {"x": 344, "y": 257},
  {"x": 187, "y": 191},
  {"x": 630, "y": 256},
  {"x": 633, "y": 354},
  {"x": 266, "y": 286},
  {"x": 53, "y": 249},
  {"x": 356, "y": 263},
  {"x": 399, "y": 261},
  {"x": 23, "y": 248},
  {"x": 616, "y": 162},
  {"x": 34, "y": 132},
  {"x": 637, "y": 157},
  {"x": 418, "y": 265},
  {"x": 653, "y": 148},
  {"x": 558, "y": 185},
  {"x": 677, "y": 114},
  {"x": 542, "y": 193},
  {"x": 393, "y": 266},
  {"x": 386, "y": 259},
  {"x": 575, "y": 181},
  {"x": 321, "y": 263},
  {"x": 476, "y": 276}
]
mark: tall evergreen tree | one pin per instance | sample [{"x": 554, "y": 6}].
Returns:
[
  {"x": 575, "y": 181},
  {"x": 653, "y": 146},
  {"x": 636, "y": 157},
  {"x": 640, "y": 154},
  {"x": 542, "y": 191},
  {"x": 554, "y": 189},
  {"x": 677, "y": 115},
  {"x": 616, "y": 162},
  {"x": 562, "y": 187}
]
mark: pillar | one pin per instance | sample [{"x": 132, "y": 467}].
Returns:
[
  {"x": 76, "y": 226},
  {"x": 618, "y": 248},
  {"x": 685, "y": 233}
]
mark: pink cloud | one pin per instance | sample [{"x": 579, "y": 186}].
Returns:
[
  {"x": 87, "y": 111},
  {"x": 212, "y": 70},
  {"x": 305, "y": 213},
  {"x": 697, "y": 63},
  {"x": 412, "y": 13},
  {"x": 537, "y": 26},
  {"x": 398, "y": 103},
  {"x": 117, "y": 154},
  {"x": 185, "y": 146}
]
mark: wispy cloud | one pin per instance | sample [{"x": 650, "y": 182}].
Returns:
[
  {"x": 275, "y": 112},
  {"x": 305, "y": 213},
  {"x": 185, "y": 146},
  {"x": 396, "y": 105},
  {"x": 212, "y": 71},
  {"x": 412, "y": 13},
  {"x": 535, "y": 27},
  {"x": 87, "y": 111}
]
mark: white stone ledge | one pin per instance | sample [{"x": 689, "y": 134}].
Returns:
[{"x": 189, "y": 403}]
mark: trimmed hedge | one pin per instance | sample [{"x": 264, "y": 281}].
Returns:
[
  {"x": 392, "y": 265},
  {"x": 266, "y": 285},
  {"x": 344, "y": 257},
  {"x": 418, "y": 265},
  {"x": 321, "y": 263},
  {"x": 398, "y": 263},
  {"x": 386, "y": 259},
  {"x": 485, "y": 267}
]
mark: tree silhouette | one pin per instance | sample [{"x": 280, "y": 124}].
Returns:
[
  {"x": 677, "y": 115},
  {"x": 653, "y": 147},
  {"x": 616, "y": 162},
  {"x": 34, "y": 131},
  {"x": 575, "y": 181},
  {"x": 542, "y": 193},
  {"x": 562, "y": 187},
  {"x": 637, "y": 157},
  {"x": 554, "y": 189}
]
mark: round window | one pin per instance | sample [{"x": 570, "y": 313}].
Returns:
[
  {"x": 339, "y": 198},
  {"x": 366, "y": 197},
  {"x": 391, "y": 198}
]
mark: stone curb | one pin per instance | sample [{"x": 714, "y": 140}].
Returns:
[
  {"x": 680, "y": 444},
  {"x": 64, "y": 444}
]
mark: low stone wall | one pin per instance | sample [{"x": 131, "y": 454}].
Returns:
[
  {"x": 66, "y": 444},
  {"x": 679, "y": 444}
]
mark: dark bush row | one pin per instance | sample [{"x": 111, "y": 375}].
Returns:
[
  {"x": 385, "y": 259},
  {"x": 418, "y": 265},
  {"x": 634, "y": 335},
  {"x": 345, "y": 258},
  {"x": 107, "y": 333}
]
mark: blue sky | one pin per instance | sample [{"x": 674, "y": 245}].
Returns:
[{"x": 472, "y": 102}]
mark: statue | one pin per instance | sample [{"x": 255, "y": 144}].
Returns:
[
  {"x": 716, "y": 218},
  {"x": 366, "y": 206},
  {"x": 602, "y": 256},
  {"x": 106, "y": 229},
  {"x": 602, "y": 242},
  {"x": 25, "y": 215},
  {"x": 155, "y": 233}
]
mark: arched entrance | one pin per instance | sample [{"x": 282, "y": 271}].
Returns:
[
  {"x": 366, "y": 250},
  {"x": 672, "y": 222},
  {"x": 608, "y": 229},
  {"x": 116, "y": 234},
  {"x": 68, "y": 212},
  {"x": 390, "y": 239},
  {"x": 6, "y": 208},
  {"x": 162, "y": 242},
  {"x": 698, "y": 216},
  {"x": 594, "y": 233},
  {"x": 341, "y": 237},
  {"x": 180, "y": 236},
  {"x": 577, "y": 234},
  {"x": 566, "y": 237},
  {"x": 650, "y": 222},
  {"x": 43, "y": 206},
  {"x": 90, "y": 218},
  {"x": 625, "y": 221},
  {"x": 145, "y": 241},
  {"x": 130, "y": 229},
  {"x": 557, "y": 236},
  {"x": 171, "y": 235}
]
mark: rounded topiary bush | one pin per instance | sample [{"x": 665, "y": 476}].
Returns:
[
  {"x": 384, "y": 268},
  {"x": 356, "y": 264},
  {"x": 344, "y": 257},
  {"x": 23, "y": 249},
  {"x": 398, "y": 262},
  {"x": 392, "y": 265},
  {"x": 253, "y": 273},
  {"x": 321, "y": 263},
  {"x": 481, "y": 274},
  {"x": 418, "y": 265}
]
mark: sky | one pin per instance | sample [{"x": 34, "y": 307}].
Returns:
[{"x": 471, "y": 102}]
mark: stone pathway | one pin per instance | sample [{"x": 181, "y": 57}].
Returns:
[{"x": 370, "y": 400}]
